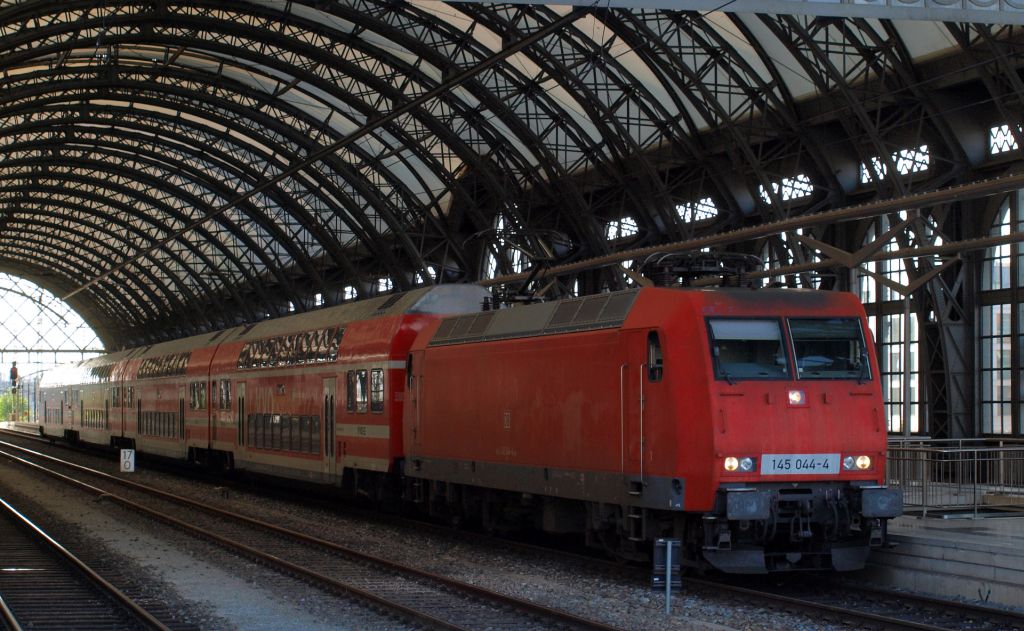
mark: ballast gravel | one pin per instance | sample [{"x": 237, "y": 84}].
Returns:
[{"x": 224, "y": 591}]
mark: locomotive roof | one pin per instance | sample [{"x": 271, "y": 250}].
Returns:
[
  {"x": 603, "y": 311},
  {"x": 607, "y": 311}
]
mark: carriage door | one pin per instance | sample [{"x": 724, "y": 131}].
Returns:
[
  {"x": 413, "y": 389},
  {"x": 181, "y": 412},
  {"x": 240, "y": 411},
  {"x": 632, "y": 408},
  {"x": 329, "y": 408}
]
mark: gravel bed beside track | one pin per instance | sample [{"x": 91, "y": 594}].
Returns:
[{"x": 221, "y": 591}]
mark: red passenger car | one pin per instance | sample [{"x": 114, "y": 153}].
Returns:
[
  {"x": 747, "y": 423},
  {"x": 316, "y": 396}
]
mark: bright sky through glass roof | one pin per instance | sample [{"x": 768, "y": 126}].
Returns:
[{"x": 39, "y": 330}]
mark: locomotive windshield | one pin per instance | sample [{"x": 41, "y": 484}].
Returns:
[
  {"x": 747, "y": 349},
  {"x": 829, "y": 349}
]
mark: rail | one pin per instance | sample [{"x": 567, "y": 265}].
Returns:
[{"x": 966, "y": 477}]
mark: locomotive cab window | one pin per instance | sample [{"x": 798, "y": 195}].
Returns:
[
  {"x": 829, "y": 348},
  {"x": 655, "y": 361},
  {"x": 747, "y": 349}
]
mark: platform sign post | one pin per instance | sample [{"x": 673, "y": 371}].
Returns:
[
  {"x": 667, "y": 570},
  {"x": 127, "y": 460}
]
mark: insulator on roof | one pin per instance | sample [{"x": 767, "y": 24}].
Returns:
[{"x": 725, "y": 269}]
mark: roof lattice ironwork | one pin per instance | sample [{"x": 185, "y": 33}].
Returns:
[{"x": 173, "y": 167}]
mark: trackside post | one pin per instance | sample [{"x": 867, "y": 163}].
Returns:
[{"x": 667, "y": 570}]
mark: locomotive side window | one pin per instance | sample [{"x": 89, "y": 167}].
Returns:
[
  {"x": 830, "y": 348},
  {"x": 747, "y": 349},
  {"x": 655, "y": 362}
]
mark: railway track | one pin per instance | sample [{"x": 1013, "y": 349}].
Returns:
[
  {"x": 851, "y": 604},
  {"x": 417, "y": 596},
  {"x": 839, "y": 602},
  {"x": 825, "y": 598},
  {"x": 45, "y": 587}
]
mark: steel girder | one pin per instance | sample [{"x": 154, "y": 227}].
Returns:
[{"x": 132, "y": 123}]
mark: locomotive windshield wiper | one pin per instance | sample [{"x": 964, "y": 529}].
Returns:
[{"x": 862, "y": 376}]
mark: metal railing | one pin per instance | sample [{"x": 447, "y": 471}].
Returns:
[{"x": 972, "y": 477}]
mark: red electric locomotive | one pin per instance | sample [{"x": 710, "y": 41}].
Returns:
[{"x": 747, "y": 423}]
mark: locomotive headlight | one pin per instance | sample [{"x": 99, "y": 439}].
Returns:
[
  {"x": 743, "y": 465},
  {"x": 797, "y": 397},
  {"x": 859, "y": 462}
]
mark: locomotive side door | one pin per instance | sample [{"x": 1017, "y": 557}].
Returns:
[
  {"x": 632, "y": 375},
  {"x": 330, "y": 466}
]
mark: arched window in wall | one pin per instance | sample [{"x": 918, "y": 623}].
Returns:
[
  {"x": 506, "y": 248},
  {"x": 1001, "y": 326},
  {"x": 779, "y": 252},
  {"x": 38, "y": 331},
  {"x": 895, "y": 329}
]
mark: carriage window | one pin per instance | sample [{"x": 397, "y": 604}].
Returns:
[
  {"x": 377, "y": 390},
  {"x": 747, "y": 349},
  {"x": 655, "y": 363},
  {"x": 356, "y": 393},
  {"x": 361, "y": 391},
  {"x": 829, "y": 349},
  {"x": 225, "y": 394},
  {"x": 350, "y": 391},
  {"x": 197, "y": 395}
]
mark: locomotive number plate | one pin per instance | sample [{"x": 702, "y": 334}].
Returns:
[{"x": 799, "y": 464}]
